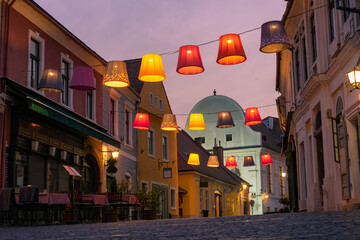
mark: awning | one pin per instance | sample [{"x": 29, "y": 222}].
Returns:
[
  {"x": 72, "y": 171},
  {"x": 50, "y": 109}
]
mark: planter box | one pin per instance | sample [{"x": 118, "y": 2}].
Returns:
[
  {"x": 68, "y": 218},
  {"x": 110, "y": 217},
  {"x": 150, "y": 214}
]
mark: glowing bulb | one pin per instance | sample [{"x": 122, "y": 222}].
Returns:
[
  {"x": 283, "y": 174},
  {"x": 224, "y": 114},
  {"x": 195, "y": 116},
  {"x": 229, "y": 41},
  {"x": 189, "y": 51},
  {"x": 266, "y": 196},
  {"x": 273, "y": 26},
  {"x": 51, "y": 73},
  {"x": 150, "y": 60},
  {"x": 244, "y": 186}
]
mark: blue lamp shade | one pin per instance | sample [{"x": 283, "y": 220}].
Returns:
[
  {"x": 248, "y": 161},
  {"x": 273, "y": 37},
  {"x": 51, "y": 81}
]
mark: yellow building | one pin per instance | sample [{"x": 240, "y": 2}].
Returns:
[
  {"x": 156, "y": 149},
  {"x": 208, "y": 191}
]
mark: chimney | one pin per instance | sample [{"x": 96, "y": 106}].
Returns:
[
  {"x": 198, "y": 140},
  {"x": 219, "y": 152}
]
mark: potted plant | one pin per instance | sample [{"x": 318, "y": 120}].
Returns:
[
  {"x": 70, "y": 215},
  {"x": 150, "y": 201},
  {"x": 110, "y": 215},
  {"x": 284, "y": 200}
]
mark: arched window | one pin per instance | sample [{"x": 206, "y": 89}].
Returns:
[
  {"x": 339, "y": 106},
  {"x": 318, "y": 120}
]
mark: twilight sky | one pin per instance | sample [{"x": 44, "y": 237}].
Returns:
[{"x": 128, "y": 29}]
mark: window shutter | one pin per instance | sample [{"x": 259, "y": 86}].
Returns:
[
  {"x": 335, "y": 140},
  {"x": 344, "y": 159}
]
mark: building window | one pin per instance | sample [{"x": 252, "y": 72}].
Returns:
[
  {"x": 151, "y": 142},
  {"x": 345, "y": 14},
  {"x": 202, "y": 139},
  {"x": 297, "y": 70},
  {"x": 128, "y": 180},
  {"x": 161, "y": 104},
  {"x": 201, "y": 198},
  {"x": 151, "y": 99},
  {"x": 144, "y": 185},
  {"x": 207, "y": 207},
  {"x": 112, "y": 116},
  {"x": 331, "y": 20},
  {"x": 313, "y": 38},
  {"x": 34, "y": 63},
  {"x": 66, "y": 79},
  {"x": 165, "y": 148},
  {"x": 156, "y": 102},
  {"x": 90, "y": 104},
  {"x": 282, "y": 181},
  {"x": 228, "y": 137},
  {"x": 172, "y": 198},
  {"x": 167, "y": 173},
  {"x": 127, "y": 127},
  {"x": 269, "y": 178},
  {"x": 305, "y": 60}
]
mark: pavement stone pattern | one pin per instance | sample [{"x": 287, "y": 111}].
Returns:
[{"x": 304, "y": 225}]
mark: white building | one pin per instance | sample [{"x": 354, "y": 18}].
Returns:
[{"x": 241, "y": 141}]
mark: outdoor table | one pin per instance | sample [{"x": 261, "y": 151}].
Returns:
[
  {"x": 29, "y": 194},
  {"x": 96, "y": 199},
  {"x": 54, "y": 198},
  {"x": 131, "y": 199}
]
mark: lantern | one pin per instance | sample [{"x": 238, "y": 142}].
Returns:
[
  {"x": 151, "y": 69},
  {"x": 141, "y": 121},
  {"x": 83, "y": 79},
  {"x": 213, "y": 161},
  {"x": 354, "y": 75},
  {"x": 116, "y": 74},
  {"x": 51, "y": 81},
  {"x": 193, "y": 159},
  {"x": 248, "y": 161},
  {"x": 189, "y": 61},
  {"x": 252, "y": 116},
  {"x": 196, "y": 122},
  {"x": 266, "y": 159},
  {"x": 225, "y": 120},
  {"x": 273, "y": 37},
  {"x": 231, "y": 50},
  {"x": 169, "y": 123},
  {"x": 231, "y": 161}
]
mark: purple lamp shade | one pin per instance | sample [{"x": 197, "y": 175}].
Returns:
[
  {"x": 83, "y": 79},
  {"x": 225, "y": 120},
  {"x": 51, "y": 81},
  {"x": 248, "y": 161},
  {"x": 273, "y": 37}
]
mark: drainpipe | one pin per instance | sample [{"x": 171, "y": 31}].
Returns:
[{"x": 137, "y": 145}]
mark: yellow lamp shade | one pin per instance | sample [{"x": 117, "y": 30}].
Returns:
[
  {"x": 196, "y": 122},
  {"x": 151, "y": 69},
  {"x": 193, "y": 159},
  {"x": 169, "y": 123},
  {"x": 116, "y": 74},
  {"x": 213, "y": 161}
]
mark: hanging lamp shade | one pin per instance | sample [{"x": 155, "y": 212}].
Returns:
[
  {"x": 266, "y": 159},
  {"x": 151, "y": 69},
  {"x": 248, "y": 161},
  {"x": 231, "y": 50},
  {"x": 51, "y": 81},
  {"x": 231, "y": 161},
  {"x": 189, "y": 61},
  {"x": 225, "y": 120},
  {"x": 116, "y": 74},
  {"x": 273, "y": 37},
  {"x": 193, "y": 159},
  {"x": 141, "y": 121},
  {"x": 213, "y": 161},
  {"x": 252, "y": 116},
  {"x": 83, "y": 79},
  {"x": 169, "y": 123},
  {"x": 196, "y": 122}
]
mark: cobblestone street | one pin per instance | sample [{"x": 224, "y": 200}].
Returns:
[{"x": 319, "y": 225}]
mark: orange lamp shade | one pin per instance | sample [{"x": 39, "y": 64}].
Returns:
[
  {"x": 189, "y": 61},
  {"x": 213, "y": 161},
  {"x": 252, "y": 116},
  {"x": 193, "y": 159},
  {"x": 169, "y": 123},
  {"x": 231, "y": 161},
  {"x": 231, "y": 50},
  {"x": 116, "y": 74},
  {"x": 266, "y": 159},
  {"x": 196, "y": 122},
  {"x": 141, "y": 121},
  {"x": 151, "y": 69},
  {"x": 225, "y": 120}
]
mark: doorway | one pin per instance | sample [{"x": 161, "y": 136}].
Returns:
[
  {"x": 320, "y": 155},
  {"x": 218, "y": 203}
]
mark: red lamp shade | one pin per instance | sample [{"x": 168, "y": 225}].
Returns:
[
  {"x": 248, "y": 161},
  {"x": 83, "y": 79},
  {"x": 189, "y": 61},
  {"x": 266, "y": 159},
  {"x": 141, "y": 121},
  {"x": 252, "y": 116},
  {"x": 225, "y": 120},
  {"x": 231, "y": 50},
  {"x": 231, "y": 162}
]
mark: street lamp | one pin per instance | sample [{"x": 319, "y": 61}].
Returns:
[{"x": 283, "y": 174}]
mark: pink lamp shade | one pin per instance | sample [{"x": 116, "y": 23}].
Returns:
[
  {"x": 231, "y": 161},
  {"x": 51, "y": 81},
  {"x": 266, "y": 159},
  {"x": 141, "y": 121},
  {"x": 83, "y": 79},
  {"x": 248, "y": 161},
  {"x": 189, "y": 61},
  {"x": 225, "y": 120},
  {"x": 116, "y": 74},
  {"x": 273, "y": 37},
  {"x": 231, "y": 50},
  {"x": 252, "y": 116}
]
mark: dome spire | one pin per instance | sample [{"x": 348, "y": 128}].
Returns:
[{"x": 214, "y": 92}]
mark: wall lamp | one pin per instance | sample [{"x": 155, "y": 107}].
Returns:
[
  {"x": 354, "y": 76},
  {"x": 114, "y": 154},
  {"x": 283, "y": 174}
]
